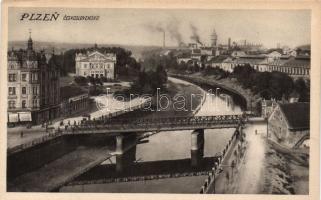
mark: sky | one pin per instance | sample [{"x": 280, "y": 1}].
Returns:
[{"x": 145, "y": 26}]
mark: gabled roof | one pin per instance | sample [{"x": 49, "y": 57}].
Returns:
[{"x": 297, "y": 115}]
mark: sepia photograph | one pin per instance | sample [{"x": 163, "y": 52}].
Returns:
[{"x": 147, "y": 100}]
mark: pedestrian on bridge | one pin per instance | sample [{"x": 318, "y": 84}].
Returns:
[{"x": 21, "y": 134}]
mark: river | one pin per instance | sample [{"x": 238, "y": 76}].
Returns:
[{"x": 171, "y": 146}]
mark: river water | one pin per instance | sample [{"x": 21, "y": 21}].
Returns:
[{"x": 171, "y": 146}]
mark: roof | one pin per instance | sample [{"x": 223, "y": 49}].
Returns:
[
  {"x": 217, "y": 59},
  {"x": 253, "y": 61},
  {"x": 297, "y": 115},
  {"x": 298, "y": 63},
  {"x": 67, "y": 92},
  {"x": 277, "y": 62}
]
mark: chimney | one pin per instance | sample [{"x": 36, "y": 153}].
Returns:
[
  {"x": 229, "y": 43},
  {"x": 164, "y": 38}
]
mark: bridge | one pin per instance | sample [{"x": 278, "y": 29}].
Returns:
[
  {"x": 127, "y": 133},
  {"x": 111, "y": 126}
]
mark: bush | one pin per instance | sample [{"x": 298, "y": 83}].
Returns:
[{"x": 80, "y": 80}]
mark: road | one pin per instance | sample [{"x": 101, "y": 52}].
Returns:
[
  {"x": 249, "y": 177},
  {"x": 105, "y": 105}
]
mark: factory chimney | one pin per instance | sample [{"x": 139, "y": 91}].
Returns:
[
  {"x": 229, "y": 43},
  {"x": 164, "y": 38}
]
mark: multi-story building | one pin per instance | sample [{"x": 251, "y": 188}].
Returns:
[
  {"x": 96, "y": 64},
  {"x": 33, "y": 86}
]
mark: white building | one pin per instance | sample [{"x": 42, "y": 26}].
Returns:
[{"x": 96, "y": 64}]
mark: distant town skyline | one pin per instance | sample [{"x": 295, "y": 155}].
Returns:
[{"x": 146, "y": 27}]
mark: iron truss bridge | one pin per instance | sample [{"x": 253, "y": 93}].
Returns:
[{"x": 104, "y": 125}]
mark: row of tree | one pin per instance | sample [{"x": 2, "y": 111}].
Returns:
[{"x": 275, "y": 84}]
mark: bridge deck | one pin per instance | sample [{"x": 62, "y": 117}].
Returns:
[
  {"x": 159, "y": 124},
  {"x": 59, "y": 172}
]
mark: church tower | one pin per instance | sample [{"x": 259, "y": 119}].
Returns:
[
  {"x": 30, "y": 43},
  {"x": 214, "y": 38}
]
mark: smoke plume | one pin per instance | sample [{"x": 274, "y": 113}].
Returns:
[
  {"x": 171, "y": 29},
  {"x": 195, "y": 35}
]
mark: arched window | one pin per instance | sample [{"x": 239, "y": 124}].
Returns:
[
  {"x": 23, "y": 104},
  {"x": 24, "y": 90}
]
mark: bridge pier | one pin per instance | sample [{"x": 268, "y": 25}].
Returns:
[
  {"x": 125, "y": 152},
  {"x": 197, "y": 147}
]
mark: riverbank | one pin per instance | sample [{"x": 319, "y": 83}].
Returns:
[
  {"x": 248, "y": 99},
  {"x": 193, "y": 95}
]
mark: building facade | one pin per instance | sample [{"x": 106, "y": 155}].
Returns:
[
  {"x": 33, "y": 86},
  {"x": 96, "y": 64},
  {"x": 286, "y": 126}
]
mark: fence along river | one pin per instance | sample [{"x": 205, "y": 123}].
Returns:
[{"x": 173, "y": 146}]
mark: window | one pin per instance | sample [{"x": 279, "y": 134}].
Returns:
[
  {"x": 35, "y": 90},
  {"x": 12, "y": 77},
  {"x": 24, "y": 77},
  {"x": 12, "y": 91},
  {"x": 35, "y": 103},
  {"x": 24, "y": 90},
  {"x": 12, "y": 104},
  {"x": 34, "y": 77},
  {"x": 23, "y": 104}
]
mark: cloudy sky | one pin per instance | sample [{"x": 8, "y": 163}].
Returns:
[{"x": 143, "y": 27}]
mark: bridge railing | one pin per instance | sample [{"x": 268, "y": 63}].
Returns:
[
  {"x": 159, "y": 122},
  {"x": 170, "y": 120}
]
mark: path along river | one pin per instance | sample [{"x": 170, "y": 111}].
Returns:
[{"x": 171, "y": 146}]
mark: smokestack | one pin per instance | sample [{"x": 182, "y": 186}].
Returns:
[
  {"x": 229, "y": 43},
  {"x": 164, "y": 39}
]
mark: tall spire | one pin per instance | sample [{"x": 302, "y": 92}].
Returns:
[{"x": 30, "y": 43}]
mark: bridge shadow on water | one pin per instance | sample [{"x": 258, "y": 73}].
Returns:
[{"x": 146, "y": 171}]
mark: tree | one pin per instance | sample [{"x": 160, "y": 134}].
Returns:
[
  {"x": 80, "y": 80},
  {"x": 281, "y": 84},
  {"x": 302, "y": 89}
]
